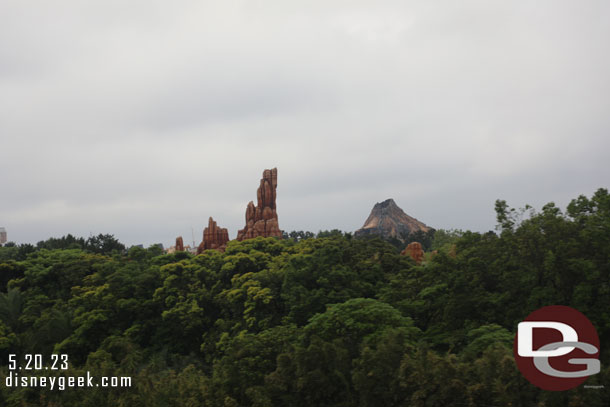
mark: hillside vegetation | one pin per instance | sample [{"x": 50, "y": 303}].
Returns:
[{"x": 326, "y": 321}]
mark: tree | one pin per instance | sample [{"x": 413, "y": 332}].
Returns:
[
  {"x": 103, "y": 244},
  {"x": 11, "y": 306}
]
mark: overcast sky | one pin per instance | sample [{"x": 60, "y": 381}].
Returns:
[{"x": 143, "y": 118}]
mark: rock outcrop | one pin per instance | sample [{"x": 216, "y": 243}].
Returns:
[
  {"x": 414, "y": 250},
  {"x": 214, "y": 238},
  {"x": 261, "y": 220},
  {"x": 179, "y": 244},
  {"x": 387, "y": 220}
]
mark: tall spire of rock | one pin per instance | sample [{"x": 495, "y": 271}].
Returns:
[
  {"x": 213, "y": 238},
  {"x": 261, "y": 220},
  {"x": 179, "y": 244}
]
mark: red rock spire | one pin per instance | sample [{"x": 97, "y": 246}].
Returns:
[
  {"x": 213, "y": 238},
  {"x": 179, "y": 244},
  {"x": 261, "y": 220}
]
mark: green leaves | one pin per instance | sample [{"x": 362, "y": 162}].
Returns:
[
  {"x": 358, "y": 321},
  {"x": 11, "y": 306},
  {"x": 326, "y": 321}
]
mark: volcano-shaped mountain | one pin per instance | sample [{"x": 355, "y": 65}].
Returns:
[{"x": 388, "y": 221}]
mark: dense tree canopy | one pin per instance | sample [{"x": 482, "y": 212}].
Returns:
[{"x": 308, "y": 321}]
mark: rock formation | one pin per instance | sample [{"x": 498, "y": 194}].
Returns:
[
  {"x": 414, "y": 250},
  {"x": 213, "y": 238},
  {"x": 387, "y": 220},
  {"x": 179, "y": 244},
  {"x": 261, "y": 220}
]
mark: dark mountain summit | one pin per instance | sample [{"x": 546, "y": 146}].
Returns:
[{"x": 388, "y": 221}]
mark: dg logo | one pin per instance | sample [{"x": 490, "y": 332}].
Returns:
[{"x": 557, "y": 348}]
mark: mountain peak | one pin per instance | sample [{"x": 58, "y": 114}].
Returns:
[
  {"x": 387, "y": 202},
  {"x": 388, "y": 220}
]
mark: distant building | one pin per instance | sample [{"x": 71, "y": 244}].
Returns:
[
  {"x": 2, "y": 235},
  {"x": 187, "y": 248}
]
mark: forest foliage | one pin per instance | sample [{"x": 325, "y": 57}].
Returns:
[{"x": 309, "y": 321}]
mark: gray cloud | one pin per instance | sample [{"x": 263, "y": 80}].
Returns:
[{"x": 143, "y": 118}]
